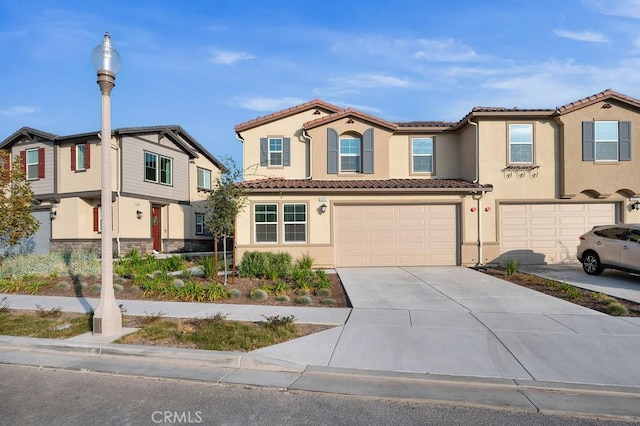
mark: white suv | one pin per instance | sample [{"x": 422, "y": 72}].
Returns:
[{"x": 610, "y": 246}]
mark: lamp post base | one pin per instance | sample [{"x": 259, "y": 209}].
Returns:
[{"x": 107, "y": 320}]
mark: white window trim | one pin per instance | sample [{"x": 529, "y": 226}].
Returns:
[
  {"x": 205, "y": 171},
  {"x": 158, "y": 168},
  {"x": 511, "y": 143},
  {"x": 256, "y": 223},
  {"x": 275, "y": 151},
  {"x": 341, "y": 155},
  {"x": 81, "y": 165},
  {"x": 285, "y": 223},
  {"x": 27, "y": 164},
  {"x": 596, "y": 141},
  {"x": 414, "y": 155}
]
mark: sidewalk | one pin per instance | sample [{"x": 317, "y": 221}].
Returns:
[{"x": 443, "y": 334}]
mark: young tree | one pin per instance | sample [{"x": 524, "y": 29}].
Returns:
[
  {"x": 16, "y": 198},
  {"x": 225, "y": 202}
]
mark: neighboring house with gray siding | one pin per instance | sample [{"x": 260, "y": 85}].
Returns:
[{"x": 161, "y": 179}]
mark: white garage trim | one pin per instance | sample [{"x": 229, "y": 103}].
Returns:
[
  {"x": 548, "y": 233},
  {"x": 396, "y": 235}
]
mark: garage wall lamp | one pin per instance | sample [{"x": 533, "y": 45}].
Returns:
[
  {"x": 635, "y": 206},
  {"x": 323, "y": 208},
  {"x": 53, "y": 214},
  {"x": 138, "y": 214}
]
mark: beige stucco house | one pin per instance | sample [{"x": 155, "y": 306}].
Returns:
[
  {"x": 161, "y": 177},
  {"x": 351, "y": 189}
]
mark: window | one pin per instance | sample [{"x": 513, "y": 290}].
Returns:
[
  {"x": 204, "y": 178},
  {"x": 266, "y": 220},
  {"x": 422, "y": 155},
  {"x": 606, "y": 141},
  {"x": 521, "y": 143},
  {"x": 153, "y": 173},
  {"x": 80, "y": 157},
  {"x": 201, "y": 228},
  {"x": 295, "y": 223},
  {"x": 32, "y": 164},
  {"x": 275, "y": 151},
  {"x": 349, "y": 154}
]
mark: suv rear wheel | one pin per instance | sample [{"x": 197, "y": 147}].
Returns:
[{"x": 591, "y": 263}]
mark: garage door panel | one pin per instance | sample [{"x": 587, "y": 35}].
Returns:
[
  {"x": 396, "y": 235},
  {"x": 548, "y": 233}
]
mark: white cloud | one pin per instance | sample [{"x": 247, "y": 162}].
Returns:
[
  {"x": 18, "y": 110},
  {"x": 370, "y": 81},
  {"x": 268, "y": 104},
  {"x": 588, "y": 36},
  {"x": 448, "y": 50},
  {"x": 625, "y": 8},
  {"x": 222, "y": 57}
]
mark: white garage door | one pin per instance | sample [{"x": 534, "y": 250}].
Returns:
[
  {"x": 396, "y": 235},
  {"x": 548, "y": 233}
]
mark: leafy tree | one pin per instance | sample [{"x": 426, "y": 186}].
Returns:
[
  {"x": 226, "y": 201},
  {"x": 16, "y": 198}
]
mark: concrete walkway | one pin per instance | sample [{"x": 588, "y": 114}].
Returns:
[{"x": 467, "y": 336}]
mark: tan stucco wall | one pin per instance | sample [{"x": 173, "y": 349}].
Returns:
[
  {"x": 445, "y": 153},
  {"x": 83, "y": 180},
  {"x": 604, "y": 177}
]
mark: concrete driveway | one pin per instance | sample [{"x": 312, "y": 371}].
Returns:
[
  {"x": 457, "y": 321},
  {"x": 614, "y": 283}
]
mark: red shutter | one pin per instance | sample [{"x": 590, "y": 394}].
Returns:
[
  {"x": 23, "y": 161},
  {"x": 73, "y": 157},
  {"x": 7, "y": 166},
  {"x": 41, "y": 163},
  {"x": 96, "y": 219},
  {"x": 87, "y": 156}
]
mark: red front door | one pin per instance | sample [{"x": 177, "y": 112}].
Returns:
[{"x": 155, "y": 228}]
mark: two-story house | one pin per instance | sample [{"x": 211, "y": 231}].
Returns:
[
  {"x": 160, "y": 178},
  {"x": 351, "y": 189}
]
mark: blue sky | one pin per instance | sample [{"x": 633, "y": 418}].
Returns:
[{"x": 208, "y": 65}]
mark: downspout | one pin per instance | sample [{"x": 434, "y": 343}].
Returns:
[
  {"x": 479, "y": 198},
  {"x": 119, "y": 193},
  {"x": 306, "y": 136}
]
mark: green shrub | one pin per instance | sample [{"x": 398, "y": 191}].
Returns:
[
  {"x": 617, "y": 309},
  {"x": 253, "y": 265},
  {"x": 328, "y": 302},
  {"x": 571, "y": 292},
  {"x": 283, "y": 298},
  {"x": 234, "y": 292},
  {"x": 258, "y": 294},
  {"x": 208, "y": 267},
  {"x": 95, "y": 289},
  {"x": 281, "y": 288},
  {"x": 63, "y": 285},
  {"x": 304, "y": 300},
  {"x": 215, "y": 291},
  {"x": 305, "y": 261},
  {"x": 511, "y": 266},
  {"x": 302, "y": 292},
  {"x": 322, "y": 280},
  {"x": 323, "y": 292}
]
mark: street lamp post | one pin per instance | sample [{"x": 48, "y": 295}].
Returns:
[{"x": 107, "y": 318}]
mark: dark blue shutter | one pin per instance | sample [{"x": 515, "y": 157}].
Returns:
[
  {"x": 332, "y": 152},
  {"x": 588, "y": 140},
  {"x": 264, "y": 152},
  {"x": 624, "y": 133},
  {"x": 367, "y": 151},
  {"x": 286, "y": 151}
]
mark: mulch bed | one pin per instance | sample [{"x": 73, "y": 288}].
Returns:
[{"x": 586, "y": 298}]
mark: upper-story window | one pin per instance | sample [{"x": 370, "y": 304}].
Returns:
[
  {"x": 275, "y": 151},
  {"x": 158, "y": 168},
  {"x": 350, "y": 154},
  {"x": 422, "y": 155},
  {"x": 521, "y": 143},
  {"x": 32, "y": 164},
  {"x": 204, "y": 179},
  {"x": 606, "y": 141},
  {"x": 80, "y": 157}
]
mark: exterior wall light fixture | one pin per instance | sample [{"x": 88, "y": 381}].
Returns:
[
  {"x": 323, "y": 208},
  {"x": 635, "y": 206},
  {"x": 138, "y": 214}
]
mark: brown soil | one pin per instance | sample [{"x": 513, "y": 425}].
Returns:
[
  {"x": 87, "y": 287},
  {"x": 579, "y": 296}
]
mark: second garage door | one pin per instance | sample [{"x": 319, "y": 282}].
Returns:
[
  {"x": 548, "y": 233},
  {"x": 396, "y": 235}
]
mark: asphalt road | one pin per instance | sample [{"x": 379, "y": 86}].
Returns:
[{"x": 37, "y": 396}]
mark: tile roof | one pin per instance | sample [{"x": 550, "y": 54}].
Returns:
[
  {"x": 421, "y": 185},
  {"x": 316, "y": 103},
  {"x": 349, "y": 112},
  {"x": 589, "y": 100}
]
